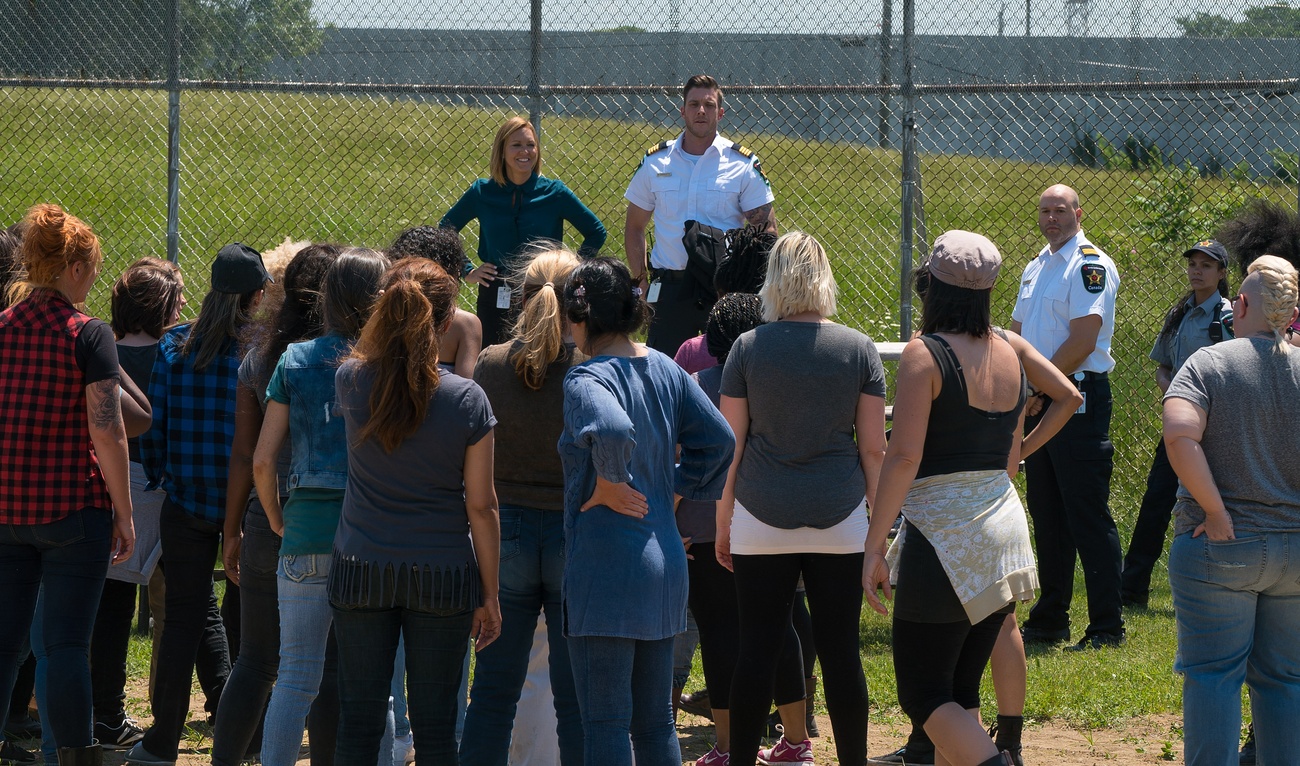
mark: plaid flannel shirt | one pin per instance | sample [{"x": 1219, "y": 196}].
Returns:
[{"x": 187, "y": 451}]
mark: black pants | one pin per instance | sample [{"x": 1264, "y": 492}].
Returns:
[
  {"x": 1068, "y": 488},
  {"x": 189, "y": 548},
  {"x": 1148, "y": 540},
  {"x": 941, "y": 662},
  {"x": 713, "y": 601},
  {"x": 677, "y": 315},
  {"x": 765, "y": 588},
  {"x": 497, "y": 323},
  {"x": 109, "y": 642}
]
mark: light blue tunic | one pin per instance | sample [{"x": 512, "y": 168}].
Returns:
[{"x": 623, "y": 418}]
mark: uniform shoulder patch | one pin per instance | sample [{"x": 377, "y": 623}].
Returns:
[
  {"x": 1094, "y": 277},
  {"x": 659, "y": 147},
  {"x": 1088, "y": 251},
  {"x": 742, "y": 150}
]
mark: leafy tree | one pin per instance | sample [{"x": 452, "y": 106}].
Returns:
[
  {"x": 236, "y": 39},
  {"x": 1274, "y": 21}
]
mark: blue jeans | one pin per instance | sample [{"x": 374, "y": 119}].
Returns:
[
  {"x": 1237, "y": 605},
  {"x": 625, "y": 688},
  {"x": 532, "y": 567},
  {"x": 68, "y": 558},
  {"x": 435, "y": 653},
  {"x": 305, "y": 619}
]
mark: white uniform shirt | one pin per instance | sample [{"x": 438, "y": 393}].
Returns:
[
  {"x": 715, "y": 189},
  {"x": 1055, "y": 290}
]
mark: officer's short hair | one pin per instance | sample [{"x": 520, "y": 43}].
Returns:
[{"x": 702, "y": 81}]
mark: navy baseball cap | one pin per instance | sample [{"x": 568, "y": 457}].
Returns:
[
  {"x": 1210, "y": 247},
  {"x": 238, "y": 269}
]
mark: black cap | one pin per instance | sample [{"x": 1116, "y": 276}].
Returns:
[
  {"x": 1210, "y": 247},
  {"x": 238, "y": 270}
]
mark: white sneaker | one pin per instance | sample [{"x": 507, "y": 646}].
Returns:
[{"x": 403, "y": 750}]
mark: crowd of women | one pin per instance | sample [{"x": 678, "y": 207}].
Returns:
[{"x": 384, "y": 495}]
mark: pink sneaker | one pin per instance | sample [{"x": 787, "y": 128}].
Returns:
[
  {"x": 714, "y": 758},
  {"x": 787, "y": 753}
]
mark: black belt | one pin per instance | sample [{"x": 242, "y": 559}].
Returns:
[
  {"x": 668, "y": 275},
  {"x": 1092, "y": 376}
]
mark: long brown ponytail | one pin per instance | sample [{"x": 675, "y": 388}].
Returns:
[{"x": 399, "y": 344}]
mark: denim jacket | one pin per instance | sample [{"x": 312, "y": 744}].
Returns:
[{"x": 320, "y": 444}]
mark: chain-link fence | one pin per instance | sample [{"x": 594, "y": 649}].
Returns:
[{"x": 175, "y": 126}]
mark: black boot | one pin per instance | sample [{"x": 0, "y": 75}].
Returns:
[
  {"x": 1006, "y": 735},
  {"x": 810, "y": 696},
  {"x": 1001, "y": 759},
  {"x": 81, "y": 756}
]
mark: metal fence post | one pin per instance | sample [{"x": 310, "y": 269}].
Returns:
[
  {"x": 886, "y": 49},
  {"x": 173, "y": 130},
  {"x": 909, "y": 176},
  {"x": 535, "y": 69}
]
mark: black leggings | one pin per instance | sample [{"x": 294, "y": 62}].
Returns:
[
  {"x": 765, "y": 589},
  {"x": 941, "y": 662},
  {"x": 713, "y": 602}
]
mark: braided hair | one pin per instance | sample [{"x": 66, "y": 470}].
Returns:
[
  {"x": 744, "y": 266},
  {"x": 733, "y": 315},
  {"x": 1258, "y": 228}
]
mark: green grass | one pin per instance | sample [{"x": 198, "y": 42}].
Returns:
[{"x": 259, "y": 167}]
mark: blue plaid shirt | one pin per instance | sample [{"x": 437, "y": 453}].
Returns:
[{"x": 187, "y": 451}]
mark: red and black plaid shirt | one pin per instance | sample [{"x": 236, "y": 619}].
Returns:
[{"x": 48, "y": 467}]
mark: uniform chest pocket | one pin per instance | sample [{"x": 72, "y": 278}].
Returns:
[
  {"x": 722, "y": 202},
  {"x": 665, "y": 184}
]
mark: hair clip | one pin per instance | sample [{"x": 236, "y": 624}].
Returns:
[
  {"x": 549, "y": 284},
  {"x": 636, "y": 292},
  {"x": 579, "y": 291}
]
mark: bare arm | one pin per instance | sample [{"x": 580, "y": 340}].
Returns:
[
  {"x": 869, "y": 425},
  {"x": 239, "y": 479},
  {"x": 275, "y": 429},
  {"x": 1184, "y": 425},
  {"x": 1046, "y": 378},
  {"x": 137, "y": 415},
  {"x": 485, "y": 534},
  {"x": 471, "y": 342},
  {"x": 1081, "y": 342},
  {"x": 762, "y": 217},
  {"x": 108, "y": 434},
  {"x": 918, "y": 384},
  {"x": 634, "y": 241},
  {"x": 736, "y": 411}
]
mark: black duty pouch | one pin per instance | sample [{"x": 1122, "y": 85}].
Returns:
[{"x": 705, "y": 248}]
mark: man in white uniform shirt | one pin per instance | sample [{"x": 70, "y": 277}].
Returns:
[
  {"x": 1066, "y": 309},
  {"x": 698, "y": 176}
]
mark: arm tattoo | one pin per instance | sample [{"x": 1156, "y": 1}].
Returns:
[
  {"x": 107, "y": 411},
  {"x": 761, "y": 217}
]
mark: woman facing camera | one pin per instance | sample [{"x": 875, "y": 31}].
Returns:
[
  {"x": 626, "y": 411},
  {"x": 65, "y": 507},
  {"x": 961, "y": 394},
  {"x": 417, "y": 545},
  {"x": 1230, "y": 419},
  {"x": 516, "y": 205}
]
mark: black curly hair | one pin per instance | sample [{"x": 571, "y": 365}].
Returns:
[
  {"x": 442, "y": 246},
  {"x": 1261, "y": 228},
  {"x": 299, "y": 316},
  {"x": 744, "y": 267},
  {"x": 733, "y": 315},
  {"x": 601, "y": 293}
]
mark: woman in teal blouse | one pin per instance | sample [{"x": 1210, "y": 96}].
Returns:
[{"x": 514, "y": 207}]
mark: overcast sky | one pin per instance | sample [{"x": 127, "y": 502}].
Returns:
[{"x": 1106, "y": 18}]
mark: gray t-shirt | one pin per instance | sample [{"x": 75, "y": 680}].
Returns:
[
  {"x": 802, "y": 381},
  {"x": 1251, "y": 394}
]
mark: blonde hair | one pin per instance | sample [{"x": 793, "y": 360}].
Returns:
[
  {"x": 539, "y": 332},
  {"x": 1278, "y": 292},
  {"x": 498, "y": 161},
  {"x": 798, "y": 279}
]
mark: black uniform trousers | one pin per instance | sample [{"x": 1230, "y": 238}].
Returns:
[
  {"x": 1068, "y": 489},
  {"x": 678, "y": 315},
  {"x": 1148, "y": 540}
]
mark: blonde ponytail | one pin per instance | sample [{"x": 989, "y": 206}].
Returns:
[{"x": 539, "y": 332}]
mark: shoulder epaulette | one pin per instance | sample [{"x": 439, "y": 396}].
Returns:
[
  {"x": 742, "y": 150},
  {"x": 1089, "y": 250},
  {"x": 659, "y": 147}
]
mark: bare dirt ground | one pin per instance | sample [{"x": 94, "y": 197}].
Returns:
[{"x": 1152, "y": 740}]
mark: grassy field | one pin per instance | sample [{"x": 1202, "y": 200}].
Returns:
[{"x": 259, "y": 167}]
